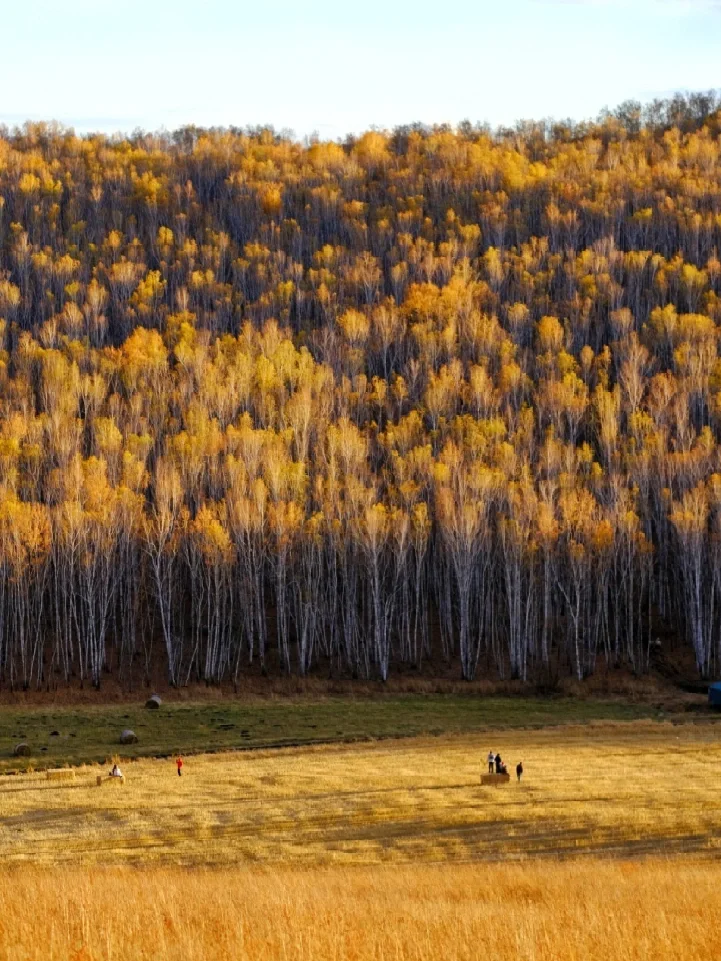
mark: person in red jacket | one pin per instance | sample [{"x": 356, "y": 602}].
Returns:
[{"x": 179, "y": 763}]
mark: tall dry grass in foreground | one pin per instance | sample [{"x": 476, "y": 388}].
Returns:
[{"x": 533, "y": 912}]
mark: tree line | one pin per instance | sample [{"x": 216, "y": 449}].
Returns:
[{"x": 425, "y": 396}]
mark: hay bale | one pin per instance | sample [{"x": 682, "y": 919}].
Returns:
[
  {"x": 22, "y": 750},
  {"x": 128, "y": 737},
  {"x": 153, "y": 702},
  {"x": 60, "y": 773},
  {"x": 495, "y": 779}
]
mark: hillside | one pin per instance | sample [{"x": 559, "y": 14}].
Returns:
[{"x": 430, "y": 400}]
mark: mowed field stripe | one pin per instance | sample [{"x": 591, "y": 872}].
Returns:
[{"x": 639, "y": 787}]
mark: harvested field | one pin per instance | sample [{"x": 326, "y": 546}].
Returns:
[{"x": 641, "y": 788}]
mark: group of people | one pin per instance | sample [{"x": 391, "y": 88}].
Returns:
[{"x": 497, "y": 766}]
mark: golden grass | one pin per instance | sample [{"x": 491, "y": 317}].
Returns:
[
  {"x": 354, "y": 852},
  {"x": 624, "y": 789},
  {"x": 589, "y": 910}
]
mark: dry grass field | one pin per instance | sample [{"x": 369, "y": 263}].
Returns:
[
  {"x": 385, "y": 850},
  {"x": 627, "y": 788},
  {"x": 542, "y": 911}
]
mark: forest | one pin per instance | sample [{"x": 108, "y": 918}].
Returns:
[{"x": 434, "y": 398}]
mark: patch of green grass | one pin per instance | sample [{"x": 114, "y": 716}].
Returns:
[{"x": 91, "y": 734}]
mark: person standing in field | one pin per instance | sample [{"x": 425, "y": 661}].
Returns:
[
  {"x": 179, "y": 765},
  {"x": 491, "y": 761},
  {"x": 519, "y": 771}
]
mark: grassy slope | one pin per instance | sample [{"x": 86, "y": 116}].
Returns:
[{"x": 91, "y": 733}]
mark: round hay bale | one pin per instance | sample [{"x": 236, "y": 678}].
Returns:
[
  {"x": 128, "y": 737},
  {"x": 153, "y": 702},
  {"x": 22, "y": 750}
]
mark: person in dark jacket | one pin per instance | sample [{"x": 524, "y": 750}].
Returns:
[
  {"x": 499, "y": 764},
  {"x": 519, "y": 771}
]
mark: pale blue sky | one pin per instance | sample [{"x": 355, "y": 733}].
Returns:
[{"x": 337, "y": 67}]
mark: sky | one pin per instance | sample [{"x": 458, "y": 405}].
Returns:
[{"x": 333, "y": 67}]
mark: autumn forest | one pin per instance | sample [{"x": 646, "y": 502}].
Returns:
[{"x": 429, "y": 398}]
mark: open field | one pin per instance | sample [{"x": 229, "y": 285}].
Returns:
[
  {"x": 665, "y": 911},
  {"x": 618, "y": 789},
  {"x": 89, "y": 733},
  {"x": 376, "y": 850}
]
